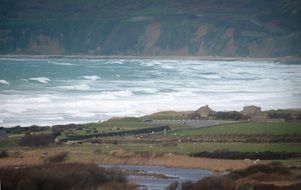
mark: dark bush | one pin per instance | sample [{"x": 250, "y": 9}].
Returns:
[
  {"x": 60, "y": 157},
  {"x": 36, "y": 140},
  {"x": 232, "y": 181},
  {"x": 61, "y": 177},
  {"x": 274, "y": 168},
  {"x": 267, "y": 155},
  {"x": 230, "y": 115},
  {"x": 3, "y": 154},
  {"x": 211, "y": 183},
  {"x": 208, "y": 183},
  {"x": 19, "y": 130},
  {"x": 60, "y": 128},
  {"x": 119, "y": 133},
  {"x": 281, "y": 115}
]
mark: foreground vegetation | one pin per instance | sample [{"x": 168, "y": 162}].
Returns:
[
  {"x": 62, "y": 177},
  {"x": 272, "y": 176}
]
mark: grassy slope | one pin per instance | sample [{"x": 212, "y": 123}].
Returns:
[{"x": 111, "y": 125}]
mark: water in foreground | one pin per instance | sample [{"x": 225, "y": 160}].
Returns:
[
  {"x": 58, "y": 91},
  {"x": 156, "y": 183}
]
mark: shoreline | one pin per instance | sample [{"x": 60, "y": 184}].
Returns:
[
  {"x": 113, "y": 117},
  {"x": 179, "y": 57}
]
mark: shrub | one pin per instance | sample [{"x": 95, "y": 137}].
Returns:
[
  {"x": 97, "y": 151},
  {"x": 232, "y": 181},
  {"x": 283, "y": 115},
  {"x": 273, "y": 168},
  {"x": 3, "y": 154},
  {"x": 36, "y": 140},
  {"x": 60, "y": 157},
  {"x": 231, "y": 115},
  {"x": 208, "y": 183}
]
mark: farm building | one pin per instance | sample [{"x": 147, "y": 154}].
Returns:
[
  {"x": 251, "y": 110},
  {"x": 3, "y": 134},
  {"x": 203, "y": 112}
]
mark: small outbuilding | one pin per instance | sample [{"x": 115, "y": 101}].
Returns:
[{"x": 3, "y": 134}]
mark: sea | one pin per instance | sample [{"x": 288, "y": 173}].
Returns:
[{"x": 49, "y": 91}]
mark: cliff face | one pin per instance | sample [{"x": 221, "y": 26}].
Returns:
[{"x": 254, "y": 28}]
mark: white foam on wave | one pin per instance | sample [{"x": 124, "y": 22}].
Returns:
[
  {"x": 120, "y": 62},
  {"x": 150, "y": 63},
  {"x": 4, "y": 82},
  {"x": 43, "y": 80},
  {"x": 92, "y": 77},
  {"x": 80, "y": 87},
  {"x": 61, "y": 63}
]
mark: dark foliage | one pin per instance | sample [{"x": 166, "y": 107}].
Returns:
[
  {"x": 60, "y": 157},
  {"x": 119, "y": 133},
  {"x": 60, "y": 128},
  {"x": 20, "y": 130},
  {"x": 273, "y": 168},
  {"x": 231, "y": 180},
  {"x": 59, "y": 177},
  {"x": 267, "y": 155},
  {"x": 208, "y": 183},
  {"x": 36, "y": 140},
  {"x": 282, "y": 115},
  {"x": 230, "y": 115},
  {"x": 3, "y": 154}
]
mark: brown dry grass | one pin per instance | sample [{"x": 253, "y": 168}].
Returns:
[
  {"x": 275, "y": 179},
  {"x": 36, "y": 156}
]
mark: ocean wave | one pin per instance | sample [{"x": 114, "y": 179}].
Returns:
[
  {"x": 4, "y": 82},
  {"x": 92, "y": 77},
  {"x": 61, "y": 63},
  {"x": 119, "y": 93},
  {"x": 142, "y": 91},
  {"x": 43, "y": 80},
  {"x": 150, "y": 63},
  {"x": 80, "y": 87},
  {"x": 166, "y": 66},
  {"x": 120, "y": 62}
]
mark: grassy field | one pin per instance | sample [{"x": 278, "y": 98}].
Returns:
[
  {"x": 112, "y": 125},
  {"x": 188, "y": 148},
  {"x": 245, "y": 128}
]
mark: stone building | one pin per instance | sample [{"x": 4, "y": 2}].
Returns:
[
  {"x": 203, "y": 112},
  {"x": 251, "y": 110}
]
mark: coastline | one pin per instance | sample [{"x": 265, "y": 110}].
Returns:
[{"x": 179, "y": 57}]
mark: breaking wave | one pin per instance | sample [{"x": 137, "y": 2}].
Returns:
[
  {"x": 4, "y": 82},
  {"x": 43, "y": 80},
  {"x": 92, "y": 77}
]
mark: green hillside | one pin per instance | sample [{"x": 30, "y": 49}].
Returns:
[{"x": 252, "y": 28}]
